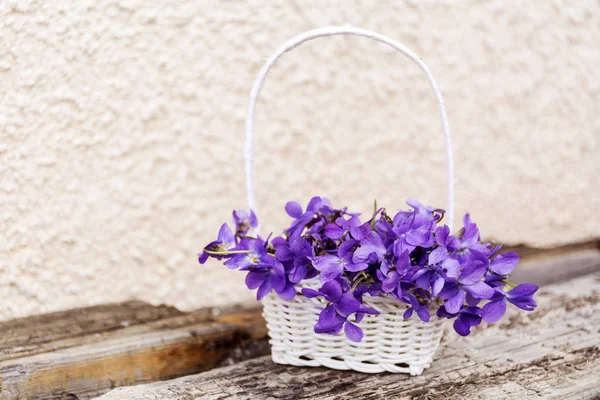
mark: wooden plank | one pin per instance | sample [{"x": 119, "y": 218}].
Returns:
[
  {"x": 41, "y": 333},
  {"x": 553, "y": 352},
  {"x": 533, "y": 252},
  {"x": 75, "y": 341},
  {"x": 86, "y": 366},
  {"x": 544, "y": 269}
]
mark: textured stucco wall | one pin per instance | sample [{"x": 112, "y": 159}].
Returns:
[{"x": 121, "y": 127}]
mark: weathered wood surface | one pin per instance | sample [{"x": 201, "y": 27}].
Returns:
[
  {"x": 545, "y": 266},
  {"x": 47, "y": 332},
  {"x": 551, "y": 353},
  {"x": 84, "y": 353}
]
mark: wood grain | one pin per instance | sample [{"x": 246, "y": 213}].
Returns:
[
  {"x": 551, "y": 353},
  {"x": 42, "y": 333},
  {"x": 86, "y": 352},
  {"x": 554, "y": 267},
  {"x": 85, "y": 366}
]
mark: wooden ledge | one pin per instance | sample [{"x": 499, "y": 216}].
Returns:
[
  {"x": 553, "y": 352},
  {"x": 83, "y": 353},
  {"x": 116, "y": 345}
]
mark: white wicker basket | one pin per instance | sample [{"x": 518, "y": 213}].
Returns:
[{"x": 390, "y": 344}]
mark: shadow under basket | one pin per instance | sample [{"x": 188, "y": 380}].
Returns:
[{"x": 390, "y": 343}]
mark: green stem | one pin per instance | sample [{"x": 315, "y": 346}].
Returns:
[
  {"x": 510, "y": 284},
  {"x": 362, "y": 277},
  {"x": 226, "y": 253}
]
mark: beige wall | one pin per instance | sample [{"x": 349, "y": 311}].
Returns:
[{"x": 121, "y": 127}]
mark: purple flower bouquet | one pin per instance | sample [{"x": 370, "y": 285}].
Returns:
[
  {"x": 334, "y": 262},
  {"x": 370, "y": 295}
]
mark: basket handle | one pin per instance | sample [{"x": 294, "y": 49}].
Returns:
[{"x": 332, "y": 31}]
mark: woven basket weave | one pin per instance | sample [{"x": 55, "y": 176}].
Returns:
[{"x": 390, "y": 344}]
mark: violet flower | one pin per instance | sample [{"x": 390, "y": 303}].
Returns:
[
  {"x": 445, "y": 239},
  {"x": 391, "y": 283},
  {"x": 301, "y": 219},
  {"x": 297, "y": 250},
  {"x": 411, "y": 257},
  {"x": 521, "y": 296},
  {"x": 341, "y": 226},
  {"x": 411, "y": 232},
  {"x": 469, "y": 281},
  {"x": 466, "y": 318},
  {"x": 255, "y": 256},
  {"x": 335, "y": 316},
  {"x": 267, "y": 278},
  {"x": 503, "y": 264},
  {"x": 371, "y": 250},
  {"x": 415, "y": 306},
  {"x": 225, "y": 242},
  {"x": 439, "y": 267},
  {"x": 468, "y": 239},
  {"x": 244, "y": 222},
  {"x": 333, "y": 266}
]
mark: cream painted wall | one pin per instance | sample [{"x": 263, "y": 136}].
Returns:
[{"x": 121, "y": 127}]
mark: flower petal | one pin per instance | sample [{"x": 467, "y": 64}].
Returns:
[
  {"x": 239, "y": 261},
  {"x": 471, "y": 318},
  {"x": 277, "y": 277},
  {"x": 253, "y": 219},
  {"x": 346, "y": 247},
  {"x": 461, "y": 327},
  {"x": 480, "y": 290},
  {"x": 472, "y": 273},
  {"x": 370, "y": 244},
  {"x": 455, "y": 303},
  {"x": 419, "y": 237},
  {"x": 283, "y": 253},
  {"x": 329, "y": 321},
  {"x": 322, "y": 262},
  {"x": 437, "y": 256},
  {"x": 203, "y": 257},
  {"x": 256, "y": 278},
  {"x": 288, "y": 292},
  {"x": 314, "y": 204},
  {"x": 332, "y": 291},
  {"x": 356, "y": 267},
  {"x": 293, "y": 209},
  {"x": 522, "y": 296},
  {"x": 226, "y": 235},
  {"x": 423, "y": 314},
  {"x": 263, "y": 290},
  {"x": 347, "y": 305},
  {"x": 297, "y": 273},
  {"x": 449, "y": 290},
  {"x": 311, "y": 293},
  {"x": 353, "y": 332},
  {"x": 494, "y": 310},
  {"x": 423, "y": 281},
  {"x": 504, "y": 264},
  {"x": 299, "y": 246},
  {"x": 451, "y": 266},
  {"x": 437, "y": 286},
  {"x": 523, "y": 289},
  {"x": 390, "y": 283},
  {"x": 331, "y": 271},
  {"x": 332, "y": 231},
  {"x": 359, "y": 232}
]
